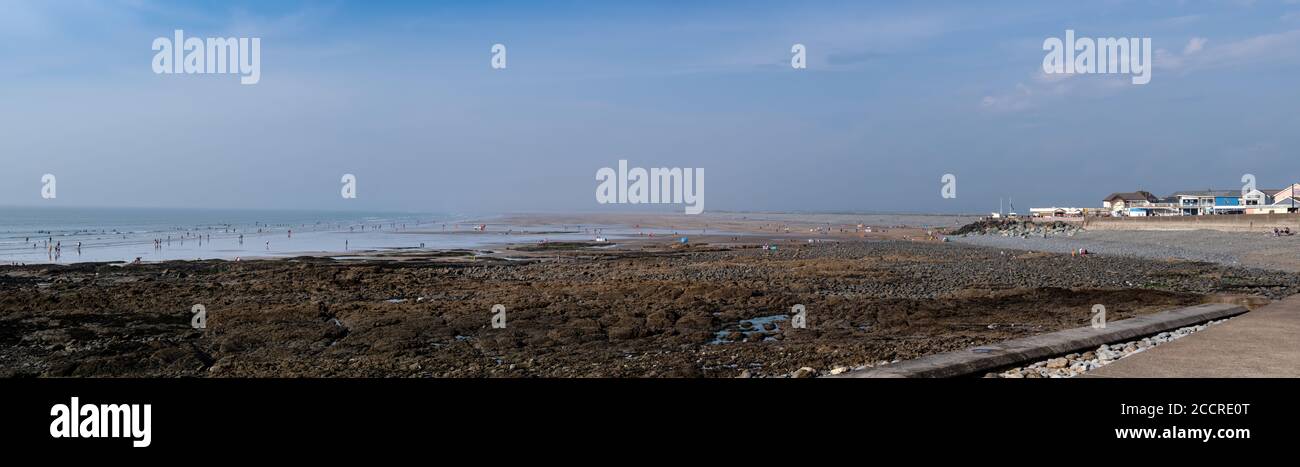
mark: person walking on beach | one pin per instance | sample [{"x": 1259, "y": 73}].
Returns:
[
  {"x": 268, "y": 245},
  {"x": 345, "y": 245}
]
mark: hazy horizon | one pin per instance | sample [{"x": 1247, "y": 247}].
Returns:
[{"x": 662, "y": 209}]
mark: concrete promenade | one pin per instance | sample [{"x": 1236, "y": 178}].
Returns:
[
  {"x": 977, "y": 360},
  {"x": 1260, "y": 344}
]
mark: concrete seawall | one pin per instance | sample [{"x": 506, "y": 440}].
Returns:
[
  {"x": 1018, "y": 351},
  {"x": 1227, "y": 223}
]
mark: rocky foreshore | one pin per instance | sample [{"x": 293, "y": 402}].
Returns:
[
  {"x": 1017, "y": 228},
  {"x": 655, "y": 310}
]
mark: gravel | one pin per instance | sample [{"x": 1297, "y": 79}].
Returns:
[
  {"x": 1227, "y": 248},
  {"x": 917, "y": 270}
]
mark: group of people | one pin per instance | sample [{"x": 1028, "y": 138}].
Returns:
[
  {"x": 1282, "y": 231},
  {"x": 53, "y": 249}
]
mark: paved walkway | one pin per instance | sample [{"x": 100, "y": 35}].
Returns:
[{"x": 1262, "y": 343}]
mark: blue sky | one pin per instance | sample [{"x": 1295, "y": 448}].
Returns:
[{"x": 895, "y": 95}]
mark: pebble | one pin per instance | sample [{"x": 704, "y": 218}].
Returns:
[
  {"x": 1199, "y": 245},
  {"x": 1076, "y": 364},
  {"x": 805, "y": 372}
]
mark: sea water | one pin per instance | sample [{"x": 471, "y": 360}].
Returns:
[{"x": 124, "y": 234}]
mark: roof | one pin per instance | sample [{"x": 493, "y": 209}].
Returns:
[
  {"x": 1288, "y": 202},
  {"x": 1133, "y": 196},
  {"x": 1216, "y": 193}
]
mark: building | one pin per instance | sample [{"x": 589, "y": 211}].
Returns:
[
  {"x": 1255, "y": 198},
  {"x": 1167, "y": 206},
  {"x": 1292, "y": 191},
  {"x": 1198, "y": 203},
  {"x": 1201, "y": 203},
  {"x": 1056, "y": 212},
  {"x": 1279, "y": 205},
  {"x": 1122, "y": 204}
]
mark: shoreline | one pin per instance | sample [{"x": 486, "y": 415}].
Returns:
[
  {"x": 507, "y": 230},
  {"x": 645, "y": 308}
]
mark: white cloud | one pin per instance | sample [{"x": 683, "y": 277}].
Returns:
[
  {"x": 1021, "y": 99},
  {"x": 1045, "y": 89},
  {"x": 1256, "y": 50}
]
